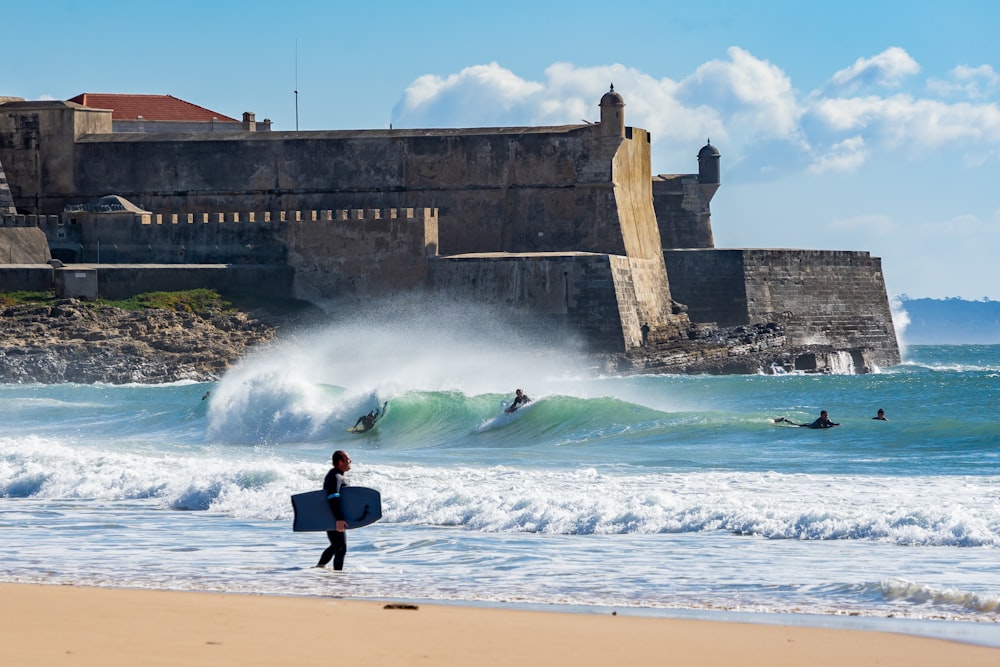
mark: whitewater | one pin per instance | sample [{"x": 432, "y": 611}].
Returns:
[{"x": 664, "y": 495}]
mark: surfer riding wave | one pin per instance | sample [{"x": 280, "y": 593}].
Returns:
[{"x": 520, "y": 398}]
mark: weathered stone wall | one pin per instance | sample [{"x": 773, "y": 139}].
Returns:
[
  {"x": 25, "y": 277},
  {"x": 22, "y": 245},
  {"x": 37, "y": 149},
  {"x": 128, "y": 237},
  {"x": 507, "y": 189},
  {"x": 360, "y": 253},
  {"x": 828, "y": 297},
  {"x": 646, "y": 301},
  {"x": 558, "y": 296},
  {"x": 120, "y": 281},
  {"x": 822, "y": 297},
  {"x": 343, "y": 253},
  {"x": 711, "y": 283},
  {"x": 682, "y": 211},
  {"x": 6, "y": 201}
]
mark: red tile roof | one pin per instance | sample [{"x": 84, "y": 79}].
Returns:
[{"x": 150, "y": 107}]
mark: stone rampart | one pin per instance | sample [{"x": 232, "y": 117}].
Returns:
[
  {"x": 574, "y": 297},
  {"x": 360, "y": 253},
  {"x": 535, "y": 189},
  {"x": 120, "y": 281},
  {"x": 824, "y": 298},
  {"x": 21, "y": 243},
  {"x": 25, "y": 277},
  {"x": 682, "y": 211},
  {"x": 245, "y": 237}
]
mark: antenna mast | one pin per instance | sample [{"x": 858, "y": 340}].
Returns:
[{"x": 296, "y": 84}]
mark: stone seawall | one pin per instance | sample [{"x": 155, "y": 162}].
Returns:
[
  {"x": 823, "y": 298},
  {"x": 570, "y": 297}
]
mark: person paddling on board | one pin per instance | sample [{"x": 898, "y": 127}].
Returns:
[
  {"x": 520, "y": 398},
  {"x": 333, "y": 483},
  {"x": 823, "y": 421}
]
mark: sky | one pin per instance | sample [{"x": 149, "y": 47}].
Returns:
[{"x": 858, "y": 125}]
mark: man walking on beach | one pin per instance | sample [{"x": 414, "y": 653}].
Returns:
[{"x": 333, "y": 483}]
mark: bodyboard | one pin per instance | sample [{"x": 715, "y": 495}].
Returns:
[{"x": 361, "y": 506}]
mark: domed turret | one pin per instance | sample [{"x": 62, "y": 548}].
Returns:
[
  {"x": 612, "y": 114},
  {"x": 709, "y": 172}
]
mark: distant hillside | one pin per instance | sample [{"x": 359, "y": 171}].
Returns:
[{"x": 951, "y": 321}]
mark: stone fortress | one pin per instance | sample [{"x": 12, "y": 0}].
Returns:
[{"x": 563, "y": 228}]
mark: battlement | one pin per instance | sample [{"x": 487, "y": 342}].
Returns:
[
  {"x": 327, "y": 215},
  {"x": 18, "y": 220}
]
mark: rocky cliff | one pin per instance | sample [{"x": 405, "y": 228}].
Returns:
[
  {"x": 72, "y": 341},
  {"x": 79, "y": 342}
]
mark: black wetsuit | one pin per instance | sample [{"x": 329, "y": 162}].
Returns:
[
  {"x": 820, "y": 423},
  {"x": 518, "y": 402},
  {"x": 337, "y": 550},
  {"x": 367, "y": 421}
]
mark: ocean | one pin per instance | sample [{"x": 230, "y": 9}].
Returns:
[{"x": 649, "y": 495}]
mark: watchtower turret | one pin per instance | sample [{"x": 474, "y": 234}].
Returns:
[
  {"x": 709, "y": 172},
  {"x": 612, "y": 114},
  {"x": 708, "y": 164}
]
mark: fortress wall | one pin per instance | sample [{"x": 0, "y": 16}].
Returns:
[
  {"x": 682, "y": 212},
  {"x": 27, "y": 277},
  {"x": 509, "y": 189},
  {"x": 6, "y": 201},
  {"x": 823, "y": 297},
  {"x": 37, "y": 149},
  {"x": 519, "y": 191},
  {"x": 633, "y": 197},
  {"x": 567, "y": 298},
  {"x": 23, "y": 244},
  {"x": 127, "y": 237},
  {"x": 710, "y": 283},
  {"x": 121, "y": 281},
  {"x": 648, "y": 294},
  {"x": 360, "y": 253},
  {"x": 244, "y": 237}
]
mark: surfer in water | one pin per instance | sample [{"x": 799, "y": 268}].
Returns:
[
  {"x": 823, "y": 421},
  {"x": 880, "y": 415},
  {"x": 368, "y": 420},
  {"x": 333, "y": 483},
  {"x": 520, "y": 398}
]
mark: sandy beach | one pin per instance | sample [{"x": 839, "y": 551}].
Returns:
[{"x": 104, "y": 627}]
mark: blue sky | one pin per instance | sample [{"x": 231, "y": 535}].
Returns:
[{"x": 845, "y": 126}]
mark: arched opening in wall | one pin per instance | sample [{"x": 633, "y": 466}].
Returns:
[{"x": 65, "y": 255}]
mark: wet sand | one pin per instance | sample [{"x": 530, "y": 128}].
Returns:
[{"x": 105, "y": 627}]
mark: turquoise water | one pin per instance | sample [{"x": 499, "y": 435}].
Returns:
[{"x": 651, "y": 494}]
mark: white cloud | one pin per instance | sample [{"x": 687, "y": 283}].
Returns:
[
  {"x": 972, "y": 83},
  {"x": 745, "y": 105},
  {"x": 846, "y": 155},
  {"x": 888, "y": 69},
  {"x": 902, "y": 121},
  {"x": 738, "y": 101},
  {"x": 476, "y": 96},
  {"x": 750, "y": 93}
]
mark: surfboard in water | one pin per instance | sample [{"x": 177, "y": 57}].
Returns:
[{"x": 361, "y": 506}]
